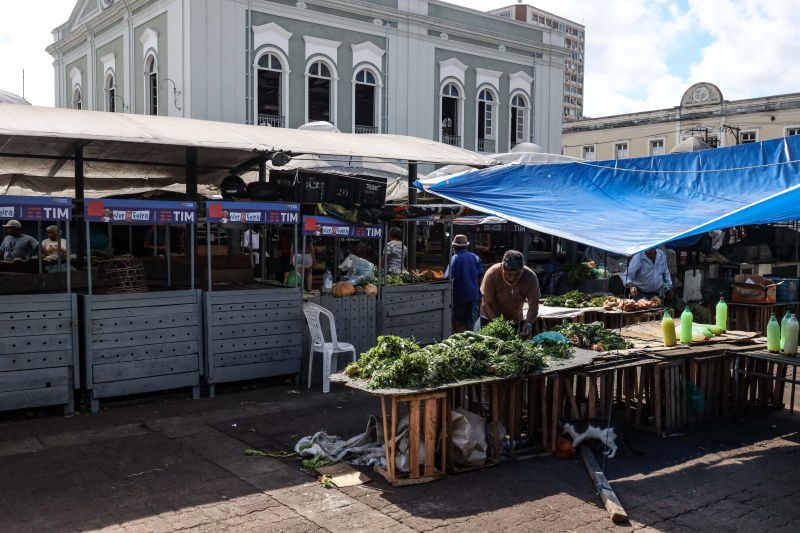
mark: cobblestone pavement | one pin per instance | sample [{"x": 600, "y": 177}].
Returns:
[{"x": 172, "y": 464}]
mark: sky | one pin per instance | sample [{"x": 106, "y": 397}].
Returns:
[{"x": 640, "y": 54}]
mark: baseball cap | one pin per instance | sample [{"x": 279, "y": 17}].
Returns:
[{"x": 13, "y": 224}]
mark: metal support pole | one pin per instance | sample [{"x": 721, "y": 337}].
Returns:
[
  {"x": 68, "y": 261},
  {"x": 83, "y": 245},
  {"x": 130, "y": 240},
  {"x": 208, "y": 255},
  {"x": 110, "y": 241},
  {"x": 191, "y": 195},
  {"x": 191, "y": 256},
  {"x": 303, "y": 259},
  {"x": 412, "y": 227},
  {"x": 88, "y": 262},
  {"x": 39, "y": 236},
  {"x": 167, "y": 250},
  {"x": 155, "y": 241}
]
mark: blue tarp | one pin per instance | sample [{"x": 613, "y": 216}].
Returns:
[{"x": 629, "y": 205}]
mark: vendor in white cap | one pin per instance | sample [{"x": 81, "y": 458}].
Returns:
[{"x": 17, "y": 246}]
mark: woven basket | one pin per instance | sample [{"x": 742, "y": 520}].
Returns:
[{"x": 123, "y": 274}]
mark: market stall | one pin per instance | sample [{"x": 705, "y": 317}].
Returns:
[
  {"x": 137, "y": 340},
  {"x": 355, "y": 314},
  {"x": 39, "y": 355},
  {"x": 252, "y": 331}
]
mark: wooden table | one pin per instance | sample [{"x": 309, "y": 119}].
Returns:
[{"x": 760, "y": 379}]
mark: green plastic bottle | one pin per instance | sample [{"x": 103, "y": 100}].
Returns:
[
  {"x": 668, "y": 329},
  {"x": 784, "y": 322},
  {"x": 722, "y": 314},
  {"x": 773, "y": 334},
  {"x": 686, "y": 325}
]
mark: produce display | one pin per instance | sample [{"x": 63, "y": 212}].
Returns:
[
  {"x": 593, "y": 336},
  {"x": 345, "y": 288},
  {"x": 496, "y": 351},
  {"x": 575, "y": 300},
  {"x": 613, "y": 303},
  {"x": 415, "y": 276}
]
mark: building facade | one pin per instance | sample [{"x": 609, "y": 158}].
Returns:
[
  {"x": 703, "y": 113},
  {"x": 574, "y": 40},
  {"x": 414, "y": 67}
]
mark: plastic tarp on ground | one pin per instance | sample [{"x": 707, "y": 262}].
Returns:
[{"x": 629, "y": 205}]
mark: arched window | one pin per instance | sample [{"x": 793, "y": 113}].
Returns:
[
  {"x": 270, "y": 91},
  {"x": 321, "y": 98},
  {"x": 366, "y": 102},
  {"x": 151, "y": 84},
  {"x": 77, "y": 99},
  {"x": 451, "y": 114},
  {"x": 110, "y": 88},
  {"x": 518, "y": 125},
  {"x": 486, "y": 121}
]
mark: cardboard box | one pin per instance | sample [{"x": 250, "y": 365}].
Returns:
[{"x": 751, "y": 289}]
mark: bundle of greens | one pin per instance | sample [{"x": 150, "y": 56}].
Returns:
[
  {"x": 593, "y": 336},
  {"x": 574, "y": 300},
  {"x": 496, "y": 351}
]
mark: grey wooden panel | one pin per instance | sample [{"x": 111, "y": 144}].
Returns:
[
  {"x": 50, "y": 299},
  {"x": 139, "y": 353},
  {"x": 284, "y": 327},
  {"x": 257, "y": 356},
  {"x": 144, "y": 368},
  {"x": 147, "y": 311},
  {"x": 141, "y": 385},
  {"x": 284, "y": 367},
  {"x": 25, "y": 399},
  {"x": 415, "y": 318},
  {"x": 141, "y": 338},
  {"x": 58, "y": 358},
  {"x": 422, "y": 333},
  {"x": 254, "y": 296},
  {"x": 143, "y": 323},
  {"x": 163, "y": 300},
  {"x": 45, "y": 343},
  {"x": 34, "y": 379},
  {"x": 34, "y": 316},
  {"x": 255, "y": 343},
  {"x": 413, "y": 288},
  {"x": 99, "y": 300},
  {"x": 288, "y": 312},
  {"x": 24, "y": 328},
  {"x": 420, "y": 305}
]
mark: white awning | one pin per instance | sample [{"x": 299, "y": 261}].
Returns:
[{"x": 114, "y": 141}]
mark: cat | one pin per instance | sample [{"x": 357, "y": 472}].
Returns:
[{"x": 607, "y": 436}]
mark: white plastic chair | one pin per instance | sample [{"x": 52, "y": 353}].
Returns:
[{"x": 318, "y": 344}]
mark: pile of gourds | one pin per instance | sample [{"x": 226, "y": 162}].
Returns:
[{"x": 345, "y": 288}]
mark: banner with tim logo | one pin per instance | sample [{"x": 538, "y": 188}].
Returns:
[
  {"x": 140, "y": 211},
  {"x": 252, "y": 213},
  {"x": 35, "y": 208},
  {"x": 318, "y": 226}
]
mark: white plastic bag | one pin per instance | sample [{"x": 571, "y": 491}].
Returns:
[{"x": 469, "y": 438}]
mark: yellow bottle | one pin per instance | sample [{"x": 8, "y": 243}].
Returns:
[{"x": 668, "y": 328}]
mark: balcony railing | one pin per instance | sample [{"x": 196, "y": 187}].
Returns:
[
  {"x": 366, "y": 129},
  {"x": 276, "y": 121},
  {"x": 452, "y": 140},
  {"x": 486, "y": 145}
]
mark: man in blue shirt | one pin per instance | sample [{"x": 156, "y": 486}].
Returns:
[
  {"x": 648, "y": 274},
  {"x": 465, "y": 269}
]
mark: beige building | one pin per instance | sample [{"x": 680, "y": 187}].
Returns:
[
  {"x": 574, "y": 40},
  {"x": 703, "y": 113}
]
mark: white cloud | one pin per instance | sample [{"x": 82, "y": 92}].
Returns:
[{"x": 25, "y": 31}]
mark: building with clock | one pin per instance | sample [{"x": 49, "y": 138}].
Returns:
[
  {"x": 425, "y": 68},
  {"x": 703, "y": 114}
]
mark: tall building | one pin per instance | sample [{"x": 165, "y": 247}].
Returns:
[
  {"x": 703, "y": 113},
  {"x": 425, "y": 68},
  {"x": 574, "y": 40}
]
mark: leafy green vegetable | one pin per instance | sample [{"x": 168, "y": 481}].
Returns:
[
  {"x": 500, "y": 328},
  {"x": 575, "y": 300},
  {"x": 315, "y": 462},
  {"x": 593, "y": 336}
]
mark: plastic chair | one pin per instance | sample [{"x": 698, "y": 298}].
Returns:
[{"x": 318, "y": 344}]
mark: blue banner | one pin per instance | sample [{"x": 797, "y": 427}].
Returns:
[
  {"x": 35, "y": 208},
  {"x": 252, "y": 213},
  {"x": 140, "y": 211},
  {"x": 332, "y": 227}
]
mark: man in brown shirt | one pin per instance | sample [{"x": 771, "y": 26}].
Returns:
[{"x": 505, "y": 289}]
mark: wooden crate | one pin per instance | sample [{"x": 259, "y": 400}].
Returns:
[
  {"x": 422, "y": 311},
  {"x": 39, "y": 355},
  {"x": 428, "y": 415},
  {"x": 713, "y": 377},
  {"x": 252, "y": 334},
  {"x": 137, "y": 343},
  {"x": 670, "y": 395},
  {"x": 760, "y": 380}
]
